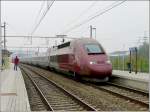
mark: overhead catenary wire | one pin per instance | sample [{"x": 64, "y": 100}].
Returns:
[
  {"x": 82, "y": 13},
  {"x": 44, "y": 14},
  {"x": 95, "y": 16},
  {"x": 42, "y": 5},
  {"x": 92, "y": 14},
  {"x": 87, "y": 10},
  {"x": 107, "y": 7},
  {"x": 39, "y": 12}
]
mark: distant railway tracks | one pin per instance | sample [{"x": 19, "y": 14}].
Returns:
[
  {"x": 113, "y": 97},
  {"x": 55, "y": 97}
]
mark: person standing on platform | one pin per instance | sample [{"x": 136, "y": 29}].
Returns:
[
  {"x": 16, "y": 62},
  {"x": 129, "y": 66},
  {"x": 3, "y": 62}
]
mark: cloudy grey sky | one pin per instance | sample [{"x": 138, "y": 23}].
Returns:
[{"x": 118, "y": 29}]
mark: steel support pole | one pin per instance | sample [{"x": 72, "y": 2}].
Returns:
[
  {"x": 136, "y": 61},
  {"x": 130, "y": 63},
  {"x": 0, "y": 53},
  {"x": 95, "y": 32},
  {"x": 149, "y": 66},
  {"x": 0, "y": 42},
  {"x": 90, "y": 31},
  {"x": 118, "y": 61},
  {"x": 4, "y": 35}
]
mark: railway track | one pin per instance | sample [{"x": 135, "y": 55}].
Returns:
[
  {"x": 37, "y": 103},
  {"x": 144, "y": 93},
  {"x": 54, "y": 96},
  {"x": 130, "y": 95},
  {"x": 135, "y": 96}
]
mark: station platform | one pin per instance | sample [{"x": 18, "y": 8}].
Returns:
[
  {"x": 137, "y": 81},
  {"x": 125, "y": 74},
  {"x": 13, "y": 94}
]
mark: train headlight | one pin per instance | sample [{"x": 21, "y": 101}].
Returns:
[
  {"x": 93, "y": 62},
  {"x": 108, "y": 61}
]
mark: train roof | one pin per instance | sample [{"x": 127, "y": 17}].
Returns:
[
  {"x": 86, "y": 40},
  {"x": 78, "y": 40}
]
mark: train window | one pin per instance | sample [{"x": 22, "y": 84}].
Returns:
[{"x": 93, "y": 48}]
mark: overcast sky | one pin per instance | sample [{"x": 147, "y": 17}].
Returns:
[{"x": 118, "y": 29}]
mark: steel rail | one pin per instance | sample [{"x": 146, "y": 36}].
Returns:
[
  {"x": 145, "y": 104},
  {"x": 129, "y": 88},
  {"x": 81, "y": 102},
  {"x": 122, "y": 96},
  {"x": 38, "y": 89}
]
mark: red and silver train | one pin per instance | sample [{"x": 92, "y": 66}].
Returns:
[{"x": 84, "y": 58}]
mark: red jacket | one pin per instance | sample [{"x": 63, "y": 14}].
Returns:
[{"x": 16, "y": 60}]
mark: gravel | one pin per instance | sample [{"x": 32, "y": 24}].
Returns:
[{"x": 99, "y": 99}]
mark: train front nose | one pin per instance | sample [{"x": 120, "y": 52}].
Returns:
[{"x": 100, "y": 70}]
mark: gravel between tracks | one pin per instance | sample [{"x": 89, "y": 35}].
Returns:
[
  {"x": 100, "y": 100},
  {"x": 128, "y": 93}
]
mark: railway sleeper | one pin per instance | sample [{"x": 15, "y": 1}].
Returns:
[
  {"x": 67, "y": 108},
  {"x": 65, "y": 104}
]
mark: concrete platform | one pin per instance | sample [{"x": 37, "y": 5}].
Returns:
[
  {"x": 13, "y": 94},
  {"x": 137, "y": 81}
]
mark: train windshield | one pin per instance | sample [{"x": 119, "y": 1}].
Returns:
[{"x": 94, "y": 49}]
